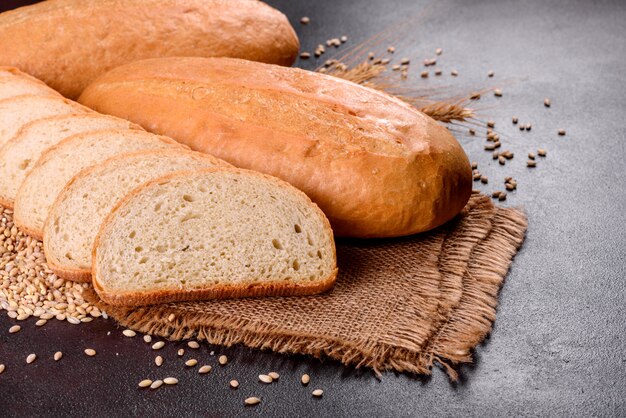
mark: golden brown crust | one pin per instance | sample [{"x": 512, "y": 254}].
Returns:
[
  {"x": 84, "y": 275},
  {"x": 376, "y": 166},
  {"x": 221, "y": 292},
  {"x": 69, "y": 43}
]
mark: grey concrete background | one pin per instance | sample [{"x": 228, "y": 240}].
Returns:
[{"x": 559, "y": 345}]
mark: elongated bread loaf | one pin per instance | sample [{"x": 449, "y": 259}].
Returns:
[
  {"x": 81, "y": 207},
  {"x": 17, "y": 111},
  {"x": 60, "y": 163},
  {"x": 22, "y": 151},
  {"x": 68, "y": 43},
  {"x": 210, "y": 234},
  {"x": 376, "y": 166},
  {"x": 13, "y": 83}
]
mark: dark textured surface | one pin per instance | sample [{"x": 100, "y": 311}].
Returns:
[{"x": 559, "y": 344}]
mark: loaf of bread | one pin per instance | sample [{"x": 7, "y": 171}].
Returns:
[
  {"x": 22, "y": 151},
  {"x": 79, "y": 210},
  {"x": 13, "y": 83},
  {"x": 68, "y": 43},
  {"x": 210, "y": 234},
  {"x": 60, "y": 163},
  {"x": 17, "y": 111},
  {"x": 376, "y": 166}
]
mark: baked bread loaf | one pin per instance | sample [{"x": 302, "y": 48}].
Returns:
[
  {"x": 81, "y": 207},
  {"x": 211, "y": 234},
  {"x": 68, "y": 43},
  {"x": 63, "y": 161},
  {"x": 13, "y": 83},
  {"x": 17, "y": 111},
  {"x": 22, "y": 151},
  {"x": 376, "y": 166}
]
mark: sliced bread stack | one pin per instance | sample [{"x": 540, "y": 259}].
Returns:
[
  {"x": 88, "y": 198},
  {"x": 205, "y": 230},
  {"x": 208, "y": 234},
  {"x": 13, "y": 83},
  {"x": 21, "y": 152},
  {"x": 63, "y": 161}
]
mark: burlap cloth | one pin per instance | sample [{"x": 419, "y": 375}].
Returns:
[{"x": 399, "y": 304}]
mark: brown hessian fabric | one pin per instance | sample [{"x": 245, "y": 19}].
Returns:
[{"x": 398, "y": 304}]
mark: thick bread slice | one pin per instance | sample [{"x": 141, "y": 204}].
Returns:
[
  {"x": 20, "y": 110},
  {"x": 210, "y": 234},
  {"x": 14, "y": 82},
  {"x": 22, "y": 151},
  {"x": 63, "y": 161},
  {"x": 89, "y": 197}
]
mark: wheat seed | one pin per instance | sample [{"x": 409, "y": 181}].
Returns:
[
  {"x": 156, "y": 384},
  {"x": 222, "y": 360},
  {"x": 495, "y": 194},
  {"x": 145, "y": 383},
  {"x": 438, "y": 71},
  {"x": 193, "y": 344},
  {"x": 170, "y": 381},
  {"x": 474, "y": 165},
  {"x": 514, "y": 120},
  {"x": 490, "y": 73},
  {"x": 317, "y": 393},
  {"x": 562, "y": 132},
  {"x": 2, "y": 367},
  {"x": 405, "y": 61},
  {"x": 495, "y": 155},
  {"x": 343, "y": 39},
  {"x": 253, "y": 400},
  {"x": 531, "y": 155},
  {"x": 305, "y": 379},
  {"x": 14, "y": 329},
  {"x": 41, "y": 322},
  {"x": 424, "y": 74},
  {"x": 510, "y": 186},
  {"x": 475, "y": 96},
  {"x": 502, "y": 196},
  {"x": 547, "y": 102},
  {"x": 305, "y": 55},
  {"x": 129, "y": 333},
  {"x": 531, "y": 163},
  {"x": 497, "y": 93},
  {"x": 501, "y": 160},
  {"x": 472, "y": 132},
  {"x": 438, "y": 51},
  {"x": 191, "y": 362},
  {"x": 484, "y": 179},
  {"x": 265, "y": 378},
  {"x": 454, "y": 73},
  {"x": 31, "y": 358},
  {"x": 391, "y": 49},
  {"x": 181, "y": 351},
  {"x": 90, "y": 352},
  {"x": 158, "y": 360},
  {"x": 529, "y": 126},
  {"x": 147, "y": 338},
  {"x": 158, "y": 345},
  {"x": 273, "y": 375},
  {"x": 234, "y": 384},
  {"x": 491, "y": 124},
  {"x": 204, "y": 369},
  {"x": 72, "y": 320},
  {"x": 476, "y": 176},
  {"x": 305, "y": 20},
  {"x": 58, "y": 356},
  {"x": 542, "y": 152}
]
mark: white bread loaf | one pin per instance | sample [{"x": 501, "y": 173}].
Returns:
[
  {"x": 63, "y": 161},
  {"x": 17, "y": 111},
  {"x": 22, "y": 151},
  {"x": 376, "y": 166},
  {"x": 13, "y": 83},
  {"x": 81, "y": 207},
  {"x": 68, "y": 43},
  {"x": 209, "y": 234}
]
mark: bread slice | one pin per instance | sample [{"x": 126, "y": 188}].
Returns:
[
  {"x": 63, "y": 161},
  {"x": 22, "y": 151},
  {"x": 20, "y": 110},
  {"x": 211, "y": 234},
  {"x": 14, "y": 82},
  {"x": 78, "y": 211}
]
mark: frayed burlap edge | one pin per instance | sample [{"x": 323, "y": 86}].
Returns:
[{"x": 470, "y": 319}]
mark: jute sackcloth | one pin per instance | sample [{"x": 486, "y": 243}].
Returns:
[{"x": 398, "y": 304}]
